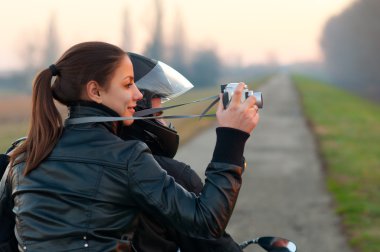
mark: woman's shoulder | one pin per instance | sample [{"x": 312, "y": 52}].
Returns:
[
  {"x": 133, "y": 147},
  {"x": 135, "y": 144}
]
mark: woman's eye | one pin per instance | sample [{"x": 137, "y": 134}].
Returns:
[{"x": 159, "y": 113}]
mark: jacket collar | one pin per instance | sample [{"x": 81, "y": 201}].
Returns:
[{"x": 90, "y": 108}]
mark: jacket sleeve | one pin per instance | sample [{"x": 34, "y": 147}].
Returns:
[
  {"x": 7, "y": 219},
  {"x": 182, "y": 173},
  {"x": 205, "y": 216}
]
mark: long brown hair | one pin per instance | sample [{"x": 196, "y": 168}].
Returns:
[{"x": 80, "y": 64}]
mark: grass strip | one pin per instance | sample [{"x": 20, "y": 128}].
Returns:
[{"x": 348, "y": 131}]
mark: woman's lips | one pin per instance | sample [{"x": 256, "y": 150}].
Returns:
[{"x": 131, "y": 109}]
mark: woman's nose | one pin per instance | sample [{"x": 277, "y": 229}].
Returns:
[{"x": 138, "y": 95}]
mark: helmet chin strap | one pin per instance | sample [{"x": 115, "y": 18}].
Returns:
[{"x": 140, "y": 115}]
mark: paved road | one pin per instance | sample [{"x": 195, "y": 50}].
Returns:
[{"x": 283, "y": 192}]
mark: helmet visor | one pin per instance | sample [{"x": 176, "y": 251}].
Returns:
[{"x": 164, "y": 81}]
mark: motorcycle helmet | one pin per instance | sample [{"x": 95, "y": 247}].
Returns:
[{"x": 155, "y": 79}]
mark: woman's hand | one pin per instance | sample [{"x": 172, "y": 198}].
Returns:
[{"x": 242, "y": 116}]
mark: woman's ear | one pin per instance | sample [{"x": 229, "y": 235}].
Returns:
[{"x": 93, "y": 91}]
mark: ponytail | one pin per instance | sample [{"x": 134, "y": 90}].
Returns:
[{"x": 45, "y": 127}]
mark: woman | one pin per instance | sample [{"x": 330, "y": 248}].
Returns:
[{"x": 82, "y": 187}]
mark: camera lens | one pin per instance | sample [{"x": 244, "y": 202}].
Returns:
[{"x": 259, "y": 99}]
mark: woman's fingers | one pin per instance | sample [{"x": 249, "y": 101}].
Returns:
[
  {"x": 236, "y": 97},
  {"x": 249, "y": 102}
]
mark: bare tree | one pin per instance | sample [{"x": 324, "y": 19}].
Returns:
[
  {"x": 155, "y": 49},
  {"x": 206, "y": 68},
  {"x": 178, "y": 50},
  {"x": 126, "y": 42},
  {"x": 50, "y": 54}
]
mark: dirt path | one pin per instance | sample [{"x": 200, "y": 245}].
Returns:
[{"x": 283, "y": 192}]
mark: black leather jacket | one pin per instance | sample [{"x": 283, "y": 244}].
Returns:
[
  {"x": 88, "y": 193},
  {"x": 152, "y": 236}
]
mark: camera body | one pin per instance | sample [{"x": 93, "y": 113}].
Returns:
[{"x": 228, "y": 92}]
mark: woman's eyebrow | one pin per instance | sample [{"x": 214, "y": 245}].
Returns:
[{"x": 129, "y": 77}]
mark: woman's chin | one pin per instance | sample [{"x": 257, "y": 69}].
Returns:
[{"x": 128, "y": 122}]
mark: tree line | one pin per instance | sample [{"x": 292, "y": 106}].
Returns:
[
  {"x": 351, "y": 48},
  {"x": 201, "y": 67}
]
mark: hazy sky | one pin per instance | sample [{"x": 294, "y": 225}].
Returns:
[{"x": 246, "y": 31}]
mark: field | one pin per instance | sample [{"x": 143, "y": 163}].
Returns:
[
  {"x": 15, "y": 112},
  {"x": 348, "y": 132},
  {"x": 14, "y": 118}
]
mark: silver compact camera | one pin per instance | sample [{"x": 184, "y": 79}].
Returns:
[{"x": 228, "y": 92}]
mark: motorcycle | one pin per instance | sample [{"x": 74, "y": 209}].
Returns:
[{"x": 271, "y": 244}]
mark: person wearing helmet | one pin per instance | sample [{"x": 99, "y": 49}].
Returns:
[{"x": 163, "y": 140}]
